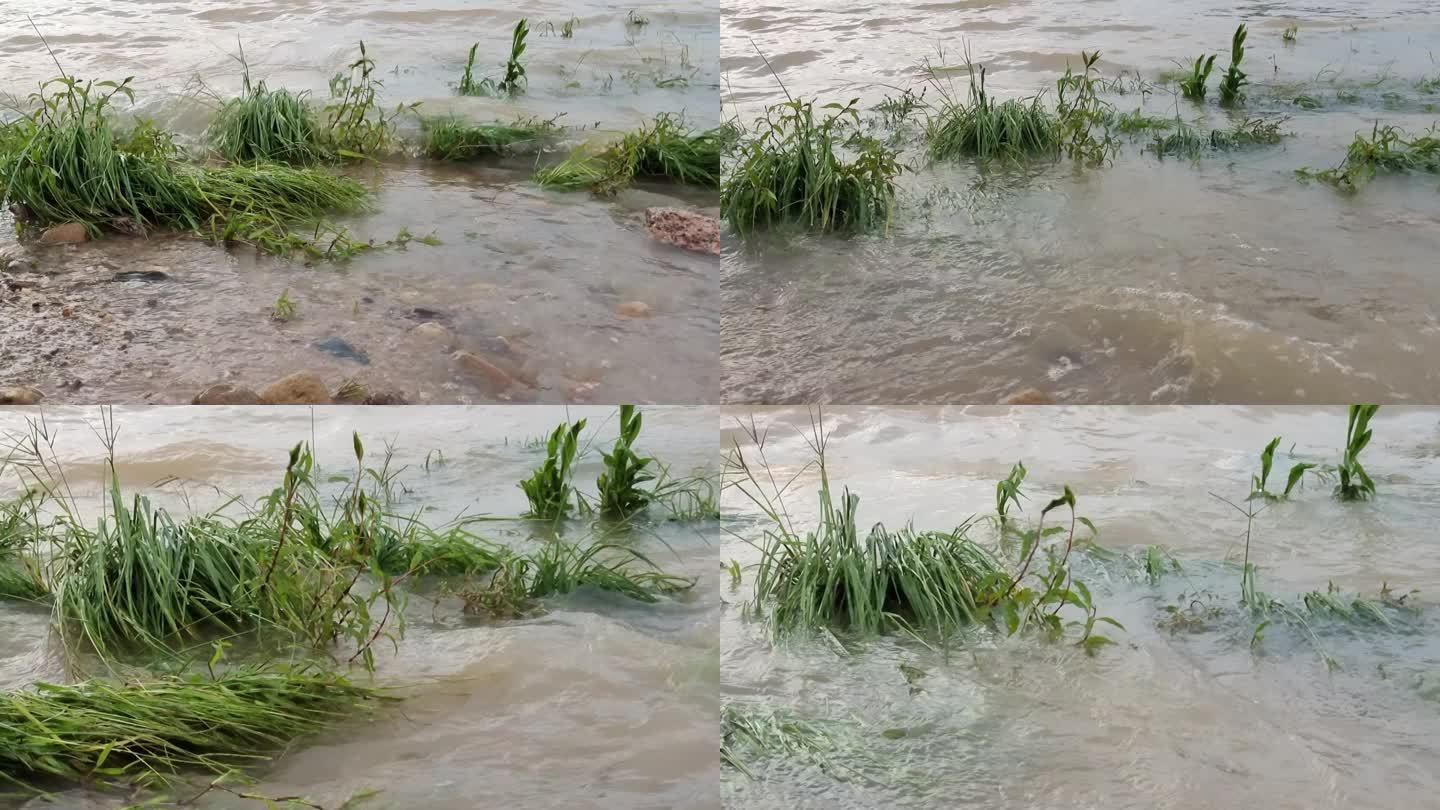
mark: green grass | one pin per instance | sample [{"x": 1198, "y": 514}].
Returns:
[
  {"x": 1137, "y": 122},
  {"x": 1232, "y": 83},
  {"x": 550, "y": 488},
  {"x": 1193, "y": 85},
  {"x": 620, "y": 485},
  {"x": 264, "y": 125},
  {"x": 559, "y": 568},
  {"x": 1188, "y": 142},
  {"x": 800, "y": 169},
  {"x": 927, "y": 584},
  {"x": 1355, "y": 484},
  {"x": 284, "y": 309},
  {"x": 451, "y": 138},
  {"x": 513, "y": 83},
  {"x": 1388, "y": 150},
  {"x": 155, "y": 730},
  {"x": 1014, "y": 129},
  {"x": 664, "y": 149},
  {"x": 67, "y": 164}
]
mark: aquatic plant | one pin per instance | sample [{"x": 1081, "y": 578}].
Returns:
[
  {"x": 1187, "y": 141},
  {"x": 621, "y": 494},
  {"x": 263, "y": 125},
  {"x": 1013, "y": 129},
  {"x": 452, "y": 138},
  {"x": 1355, "y": 484},
  {"x": 1138, "y": 121},
  {"x": 1194, "y": 84},
  {"x": 635, "y": 19},
  {"x": 1232, "y": 84},
  {"x": 752, "y": 730},
  {"x": 923, "y": 583},
  {"x": 1388, "y": 150},
  {"x": 154, "y": 730},
  {"x": 142, "y": 581},
  {"x": 560, "y": 568},
  {"x": 1081, "y": 112},
  {"x": 792, "y": 172},
  {"x": 549, "y": 489},
  {"x": 284, "y": 309},
  {"x": 1259, "y": 482},
  {"x": 895, "y": 111},
  {"x": 567, "y": 31},
  {"x": 1007, "y": 491},
  {"x": 356, "y": 127},
  {"x": 665, "y": 148},
  {"x": 1290, "y": 35},
  {"x": 513, "y": 83},
  {"x": 72, "y": 167}
]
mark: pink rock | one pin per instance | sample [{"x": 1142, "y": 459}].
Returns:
[{"x": 685, "y": 229}]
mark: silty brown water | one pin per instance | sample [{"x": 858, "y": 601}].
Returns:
[
  {"x": 596, "y": 703},
  {"x": 528, "y": 278},
  {"x": 1225, "y": 280},
  {"x": 1199, "y": 718}
]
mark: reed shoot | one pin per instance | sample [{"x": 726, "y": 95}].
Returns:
[
  {"x": 550, "y": 488},
  {"x": 1232, "y": 84},
  {"x": 1193, "y": 85},
  {"x": 1355, "y": 484},
  {"x": 621, "y": 493}
]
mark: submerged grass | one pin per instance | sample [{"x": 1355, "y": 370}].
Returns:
[
  {"x": 151, "y": 731},
  {"x": 560, "y": 568},
  {"x": 794, "y": 171},
  {"x": 451, "y": 138},
  {"x": 664, "y": 149},
  {"x": 1013, "y": 129},
  {"x": 1388, "y": 150}
]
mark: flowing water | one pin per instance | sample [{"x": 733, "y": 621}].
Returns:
[
  {"x": 596, "y": 703},
  {"x": 1145, "y": 281},
  {"x": 529, "y": 278},
  {"x": 1171, "y": 716}
]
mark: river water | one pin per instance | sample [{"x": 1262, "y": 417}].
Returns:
[
  {"x": 596, "y": 703},
  {"x": 530, "y": 278},
  {"x": 1143, "y": 282},
  {"x": 1163, "y": 719}
]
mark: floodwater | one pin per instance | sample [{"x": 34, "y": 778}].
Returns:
[
  {"x": 597, "y": 703},
  {"x": 1198, "y": 720},
  {"x": 528, "y": 278},
  {"x": 1142, "y": 282}
]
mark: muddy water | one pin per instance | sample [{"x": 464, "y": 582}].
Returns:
[
  {"x": 1193, "y": 720},
  {"x": 1224, "y": 281},
  {"x": 594, "y": 704},
  {"x": 531, "y": 279}
]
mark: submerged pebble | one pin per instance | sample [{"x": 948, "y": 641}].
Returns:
[
  {"x": 69, "y": 233},
  {"x": 343, "y": 349},
  {"x": 20, "y": 395}
]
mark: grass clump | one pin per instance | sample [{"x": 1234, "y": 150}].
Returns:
[
  {"x": 71, "y": 166},
  {"x": 1013, "y": 129},
  {"x": 1189, "y": 142},
  {"x": 1388, "y": 150},
  {"x": 452, "y": 138},
  {"x": 922, "y": 583},
  {"x": 793, "y": 172},
  {"x": 264, "y": 125},
  {"x": 151, "y": 731}
]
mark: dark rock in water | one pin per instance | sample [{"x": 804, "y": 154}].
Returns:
[
  {"x": 341, "y": 348},
  {"x": 140, "y": 275},
  {"x": 226, "y": 394},
  {"x": 427, "y": 314}
]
